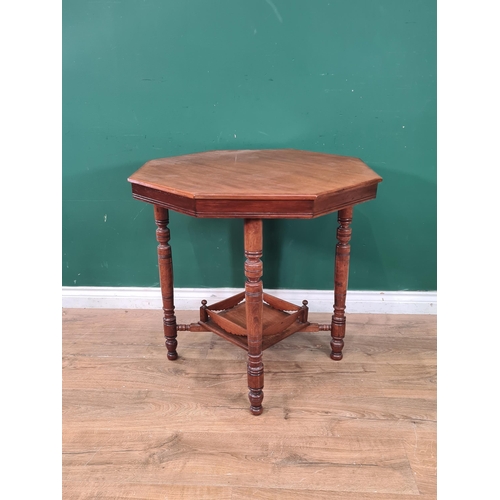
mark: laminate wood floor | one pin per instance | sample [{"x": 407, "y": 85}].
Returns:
[{"x": 136, "y": 425}]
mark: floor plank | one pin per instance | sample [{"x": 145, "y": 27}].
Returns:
[
  {"x": 138, "y": 426},
  {"x": 246, "y": 459}
]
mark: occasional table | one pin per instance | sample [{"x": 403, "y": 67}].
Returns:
[{"x": 254, "y": 185}]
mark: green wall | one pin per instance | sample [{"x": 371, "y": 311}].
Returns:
[{"x": 145, "y": 79}]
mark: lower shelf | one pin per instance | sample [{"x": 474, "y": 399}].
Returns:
[
  {"x": 228, "y": 319},
  {"x": 242, "y": 341}
]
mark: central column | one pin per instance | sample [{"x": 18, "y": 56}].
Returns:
[{"x": 253, "y": 299}]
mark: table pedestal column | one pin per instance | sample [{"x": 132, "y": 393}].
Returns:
[
  {"x": 253, "y": 299},
  {"x": 342, "y": 252}
]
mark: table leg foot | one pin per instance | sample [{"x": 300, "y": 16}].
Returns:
[
  {"x": 255, "y": 383},
  {"x": 171, "y": 352},
  {"x": 255, "y": 402},
  {"x": 342, "y": 253}
]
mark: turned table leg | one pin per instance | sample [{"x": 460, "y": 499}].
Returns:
[
  {"x": 166, "y": 281},
  {"x": 342, "y": 251},
  {"x": 253, "y": 298}
]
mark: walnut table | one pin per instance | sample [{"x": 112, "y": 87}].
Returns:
[{"x": 255, "y": 185}]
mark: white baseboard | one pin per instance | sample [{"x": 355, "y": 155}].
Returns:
[{"x": 190, "y": 298}]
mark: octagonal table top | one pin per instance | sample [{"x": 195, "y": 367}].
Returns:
[{"x": 265, "y": 183}]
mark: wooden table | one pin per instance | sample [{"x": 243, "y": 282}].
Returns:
[{"x": 254, "y": 185}]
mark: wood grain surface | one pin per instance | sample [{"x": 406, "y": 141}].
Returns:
[
  {"x": 138, "y": 426},
  {"x": 271, "y": 173}
]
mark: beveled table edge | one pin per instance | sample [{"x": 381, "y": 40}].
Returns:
[{"x": 265, "y": 208}]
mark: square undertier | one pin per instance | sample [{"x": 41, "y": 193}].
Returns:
[{"x": 277, "y": 323}]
